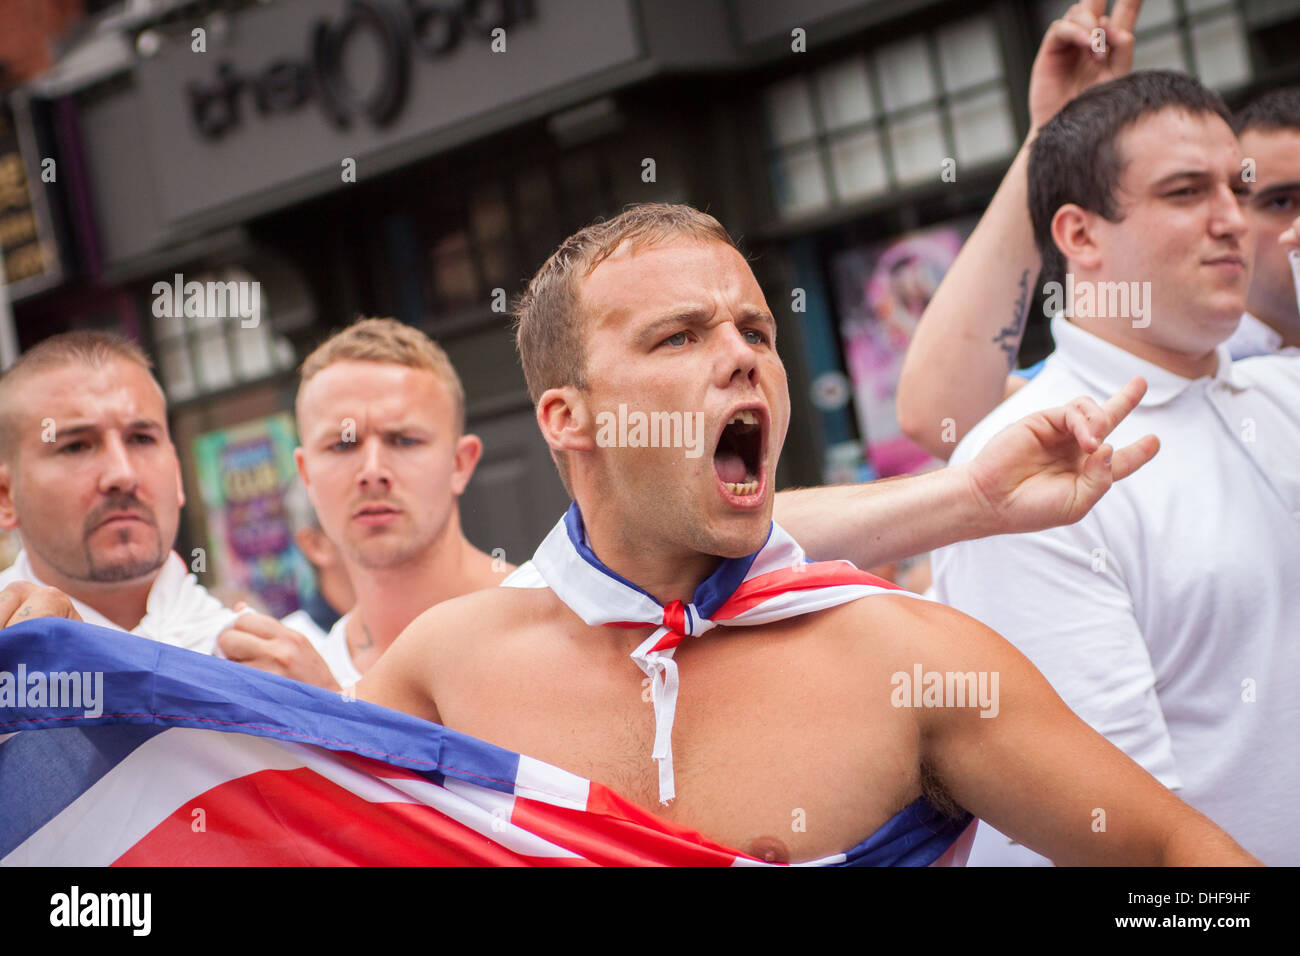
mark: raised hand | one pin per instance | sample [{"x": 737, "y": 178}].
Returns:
[
  {"x": 1051, "y": 467},
  {"x": 1074, "y": 56}
]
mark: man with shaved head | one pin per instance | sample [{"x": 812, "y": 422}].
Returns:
[{"x": 90, "y": 481}]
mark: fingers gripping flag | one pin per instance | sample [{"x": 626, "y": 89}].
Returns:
[{"x": 181, "y": 758}]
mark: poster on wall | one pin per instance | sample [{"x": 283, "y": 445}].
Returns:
[
  {"x": 881, "y": 291},
  {"x": 245, "y": 473}
]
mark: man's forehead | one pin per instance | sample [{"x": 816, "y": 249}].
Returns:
[
  {"x": 1174, "y": 140},
  {"x": 1276, "y": 153},
  {"x": 661, "y": 276},
  {"x": 373, "y": 395},
  {"x": 115, "y": 393}
]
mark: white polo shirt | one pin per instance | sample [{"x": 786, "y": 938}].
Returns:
[
  {"x": 1253, "y": 337},
  {"x": 1168, "y": 618}
]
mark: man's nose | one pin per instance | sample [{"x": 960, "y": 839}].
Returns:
[
  {"x": 374, "y": 471},
  {"x": 737, "y": 359},
  {"x": 1228, "y": 218},
  {"x": 118, "y": 473}
]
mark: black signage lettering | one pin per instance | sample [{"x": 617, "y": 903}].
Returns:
[{"x": 433, "y": 28}]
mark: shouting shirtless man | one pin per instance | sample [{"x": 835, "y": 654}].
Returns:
[{"x": 657, "y": 310}]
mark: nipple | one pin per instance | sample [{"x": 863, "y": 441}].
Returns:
[{"x": 770, "y": 850}]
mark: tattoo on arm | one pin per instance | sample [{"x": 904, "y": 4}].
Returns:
[{"x": 1008, "y": 339}]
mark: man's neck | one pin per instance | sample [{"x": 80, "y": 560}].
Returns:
[
  {"x": 125, "y": 603},
  {"x": 665, "y": 574},
  {"x": 1180, "y": 363},
  {"x": 390, "y": 599}
]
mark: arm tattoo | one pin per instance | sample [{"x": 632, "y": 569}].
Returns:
[{"x": 1008, "y": 340}]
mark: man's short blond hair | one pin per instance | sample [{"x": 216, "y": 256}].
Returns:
[
  {"x": 393, "y": 342},
  {"x": 92, "y": 348}
]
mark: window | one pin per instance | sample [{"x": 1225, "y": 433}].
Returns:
[
  {"x": 1205, "y": 38},
  {"x": 888, "y": 118},
  {"x": 206, "y": 335},
  {"x": 492, "y": 232}
]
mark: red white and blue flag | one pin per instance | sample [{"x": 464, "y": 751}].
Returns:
[{"x": 117, "y": 750}]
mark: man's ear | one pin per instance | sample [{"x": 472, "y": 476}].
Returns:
[
  {"x": 314, "y": 546},
  {"x": 8, "y": 513},
  {"x": 565, "y": 420},
  {"x": 1073, "y": 233},
  {"x": 469, "y": 449}
]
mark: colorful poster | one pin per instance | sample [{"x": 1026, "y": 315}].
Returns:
[
  {"x": 882, "y": 290},
  {"x": 245, "y": 473}
]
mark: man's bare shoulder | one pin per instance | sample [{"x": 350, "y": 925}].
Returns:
[{"x": 900, "y": 630}]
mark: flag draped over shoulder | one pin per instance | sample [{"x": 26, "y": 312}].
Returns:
[{"x": 168, "y": 757}]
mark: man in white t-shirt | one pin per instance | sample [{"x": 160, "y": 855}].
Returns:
[
  {"x": 1166, "y": 618},
  {"x": 90, "y": 481}
]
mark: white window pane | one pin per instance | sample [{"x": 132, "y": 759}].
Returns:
[
  {"x": 799, "y": 181},
  {"x": 858, "y": 161},
  {"x": 1220, "y": 49},
  {"x": 845, "y": 93},
  {"x": 213, "y": 360},
  {"x": 982, "y": 127},
  {"x": 177, "y": 375},
  {"x": 905, "y": 75},
  {"x": 789, "y": 111},
  {"x": 253, "y": 350},
  {"x": 918, "y": 147},
  {"x": 1160, "y": 52},
  {"x": 969, "y": 54},
  {"x": 171, "y": 324}
]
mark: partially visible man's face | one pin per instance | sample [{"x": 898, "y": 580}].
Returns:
[
  {"x": 1183, "y": 230},
  {"x": 1273, "y": 206},
  {"x": 683, "y": 327},
  {"x": 381, "y": 459},
  {"x": 93, "y": 484}
]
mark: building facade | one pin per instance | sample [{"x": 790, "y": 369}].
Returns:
[{"x": 421, "y": 158}]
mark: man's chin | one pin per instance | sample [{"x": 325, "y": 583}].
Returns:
[{"x": 121, "y": 570}]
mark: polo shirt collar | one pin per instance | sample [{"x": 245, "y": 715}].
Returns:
[{"x": 1107, "y": 368}]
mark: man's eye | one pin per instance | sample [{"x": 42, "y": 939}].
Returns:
[
  {"x": 1281, "y": 204},
  {"x": 73, "y": 447},
  {"x": 1181, "y": 193},
  {"x": 144, "y": 439},
  {"x": 678, "y": 338},
  {"x": 342, "y": 445},
  {"x": 757, "y": 337},
  {"x": 404, "y": 441}
]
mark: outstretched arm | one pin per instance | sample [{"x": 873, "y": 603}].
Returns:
[
  {"x": 1038, "y": 773},
  {"x": 966, "y": 343},
  {"x": 1048, "y": 469}
]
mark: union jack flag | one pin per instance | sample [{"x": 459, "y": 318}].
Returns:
[{"x": 193, "y": 760}]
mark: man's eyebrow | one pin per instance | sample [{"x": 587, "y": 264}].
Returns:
[
  {"x": 1273, "y": 189},
  {"x": 1183, "y": 174},
  {"x": 83, "y": 428}
]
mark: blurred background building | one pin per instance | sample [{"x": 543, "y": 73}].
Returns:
[{"x": 380, "y": 157}]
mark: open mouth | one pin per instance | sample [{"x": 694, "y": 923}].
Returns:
[{"x": 738, "y": 458}]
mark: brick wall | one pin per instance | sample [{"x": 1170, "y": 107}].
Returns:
[{"x": 28, "y": 31}]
